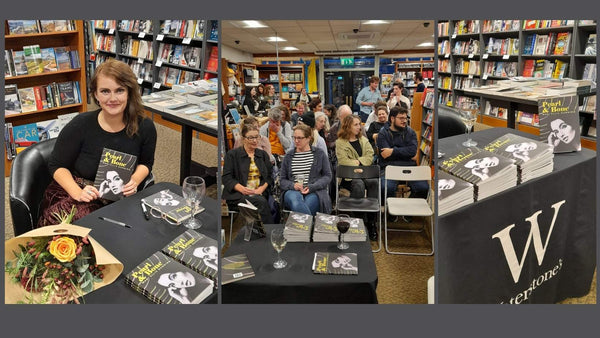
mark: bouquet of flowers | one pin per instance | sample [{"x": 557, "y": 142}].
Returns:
[{"x": 56, "y": 264}]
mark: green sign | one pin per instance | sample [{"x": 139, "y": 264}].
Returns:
[{"x": 349, "y": 61}]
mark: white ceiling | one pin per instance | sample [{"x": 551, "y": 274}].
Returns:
[{"x": 312, "y": 35}]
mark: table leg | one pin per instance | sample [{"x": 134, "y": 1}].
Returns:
[{"x": 186, "y": 152}]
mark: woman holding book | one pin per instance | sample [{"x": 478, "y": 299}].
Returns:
[
  {"x": 247, "y": 174},
  {"x": 305, "y": 175},
  {"x": 120, "y": 124}
]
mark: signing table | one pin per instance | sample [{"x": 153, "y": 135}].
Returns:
[
  {"x": 132, "y": 245},
  {"x": 296, "y": 283},
  {"x": 534, "y": 243}
]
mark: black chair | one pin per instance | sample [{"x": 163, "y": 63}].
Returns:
[
  {"x": 365, "y": 204},
  {"x": 29, "y": 178},
  {"x": 449, "y": 123}
]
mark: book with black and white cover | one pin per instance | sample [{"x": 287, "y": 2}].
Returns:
[
  {"x": 533, "y": 158},
  {"x": 235, "y": 268},
  {"x": 9, "y": 66},
  {"x": 163, "y": 280},
  {"x": 590, "y": 45},
  {"x": 169, "y": 206},
  {"x": 298, "y": 227},
  {"x": 490, "y": 173},
  {"x": 252, "y": 221},
  {"x": 12, "y": 105},
  {"x": 357, "y": 231},
  {"x": 68, "y": 93},
  {"x": 325, "y": 228},
  {"x": 48, "y": 129},
  {"x": 196, "y": 251},
  {"x": 114, "y": 171},
  {"x": 453, "y": 192},
  {"x": 559, "y": 123},
  {"x": 335, "y": 263},
  {"x": 19, "y": 63}
]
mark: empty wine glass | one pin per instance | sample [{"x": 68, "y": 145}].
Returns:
[
  {"x": 343, "y": 224},
  {"x": 468, "y": 113},
  {"x": 194, "y": 189},
  {"x": 278, "y": 241}
]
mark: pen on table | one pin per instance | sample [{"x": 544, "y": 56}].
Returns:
[
  {"x": 146, "y": 214},
  {"x": 115, "y": 222}
]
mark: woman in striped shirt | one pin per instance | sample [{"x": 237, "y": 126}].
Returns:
[{"x": 305, "y": 175}]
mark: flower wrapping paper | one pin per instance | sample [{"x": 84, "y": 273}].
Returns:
[{"x": 14, "y": 292}]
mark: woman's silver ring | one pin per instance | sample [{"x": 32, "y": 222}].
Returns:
[{"x": 89, "y": 192}]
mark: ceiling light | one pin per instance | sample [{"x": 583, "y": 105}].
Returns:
[
  {"x": 273, "y": 39},
  {"x": 375, "y": 22},
  {"x": 254, "y": 24},
  {"x": 289, "y": 48},
  {"x": 366, "y": 47},
  {"x": 425, "y": 44}
]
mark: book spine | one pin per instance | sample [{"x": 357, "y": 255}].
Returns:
[{"x": 38, "y": 98}]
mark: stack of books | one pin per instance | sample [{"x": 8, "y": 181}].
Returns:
[
  {"x": 356, "y": 232},
  {"x": 453, "y": 193},
  {"x": 533, "y": 158},
  {"x": 298, "y": 227},
  {"x": 325, "y": 229},
  {"x": 490, "y": 173}
]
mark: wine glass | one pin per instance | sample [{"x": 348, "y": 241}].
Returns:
[
  {"x": 343, "y": 224},
  {"x": 193, "y": 190},
  {"x": 278, "y": 241},
  {"x": 468, "y": 113}
]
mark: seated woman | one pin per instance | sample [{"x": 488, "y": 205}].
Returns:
[
  {"x": 120, "y": 124},
  {"x": 251, "y": 100},
  {"x": 247, "y": 174},
  {"x": 375, "y": 127},
  {"x": 353, "y": 149},
  {"x": 322, "y": 124},
  {"x": 263, "y": 141},
  {"x": 309, "y": 120},
  {"x": 305, "y": 175}
]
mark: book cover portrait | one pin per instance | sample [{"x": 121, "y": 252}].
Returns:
[{"x": 114, "y": 171}]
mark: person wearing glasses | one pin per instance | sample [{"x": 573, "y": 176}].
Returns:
[
  {"x": 263, "y": 141},
  {"x": 247, "y": 174},
  {"x": 397, "y": 145},
  {"x": 305, "y": 175},
  {"x": 120, "y": 124}
]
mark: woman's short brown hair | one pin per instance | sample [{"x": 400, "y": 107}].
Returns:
[{"x": 346, "y": 126}]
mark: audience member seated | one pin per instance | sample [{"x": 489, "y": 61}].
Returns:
[
  {"x": 397, "y": 97},
  {"x": 373, "y": 116},
  {"x": 353, "y": 149},
  {"x": 322, "y": 124},
  {"x": 331, "y": 113},
  {"x": 120, "y": 124},
  {"x": 305, "y": 175},
  {"x": 278, "y": 132},
  {"x": 251, "y": 100},
  {"x": 263, "y": 141},
  {"x": 397, "y": 145},
  {"x": 309, "y": 120},
  {"x": 247, "y": 174},
  {"x": 375, "y": 127},
  {"x": 315, "y": 105},
  {"x": 300, "y": 109}
]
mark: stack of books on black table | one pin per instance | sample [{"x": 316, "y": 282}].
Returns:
[
  {"x": 533, "y": 158},
  {"x": 196, "y": 251},
  {"x": 298, "y": 227},
  {"x": 325, "y": 229},
  {"x": 489, "y": 172},
  {"x": 356, "y": 232},
  {"x": 453, "y": 193},
  {"x": 163, "y": 280}
]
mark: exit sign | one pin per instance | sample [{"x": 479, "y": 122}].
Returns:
[{"x": 347, "y": 61}]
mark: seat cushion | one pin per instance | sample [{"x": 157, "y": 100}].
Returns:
[{"x": 408, "y": 207}]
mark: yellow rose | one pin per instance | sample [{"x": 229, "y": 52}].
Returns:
[{"x": 63, "y": 249}]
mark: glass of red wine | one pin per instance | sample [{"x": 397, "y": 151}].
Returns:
[{"x": 343, "y": 224}]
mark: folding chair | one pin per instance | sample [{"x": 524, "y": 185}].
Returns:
[
  {"x": 365, "y": 204},
  {"x": 397, "y": 206}
]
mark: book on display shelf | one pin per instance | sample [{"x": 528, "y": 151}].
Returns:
[
  {"x": 196, "y": 251},
  {"x": 48, "y": 129},
  {"x": 490, "y": 173},
  {"x": 33, "y": 59},
  {"x": 235, "y": 268},
  {"x": 9, "y": 65},
  {"x": 63, "y": 58},
  {"x": 533, "y": 158},
  {"x": 169, "y": 206},
  {"x": 19, "y": 63},
  {"x": 163, "y": 280},
  {"x": 48, "y": 60},
  {"x": 559, "y": 123},
  {"x": 12, "y": 105},
  {"x": 27, "y": 98},
  {"x": 25, "y": 135},
  {"x": 68, "y": 93},
  {"x": 114, "y": 171},
  {"x": 335, "y": 263},
  {"x": 453, "y": 193},
  {"x": 298, "y": 227},
  {"x": 590, "y": 45}
]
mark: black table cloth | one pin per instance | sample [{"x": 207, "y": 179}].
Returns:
[
  {"x": 534, "y": 243},
  {"x": 132, "y": 245},
  {"x": 296, "y": 283}
]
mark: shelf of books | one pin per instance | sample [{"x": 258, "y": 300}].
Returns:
[
  {"x": 43, "y": 80},
  {"x": 426, "y": 144},
  {"x": 474, "y": 53},
  {"x": 404, "y": 71},
  {"x": 291, "y": 81}
]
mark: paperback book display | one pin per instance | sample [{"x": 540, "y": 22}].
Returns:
[
  {"x": 163, "y": 280},
  {"x": 356, "y": 232},
  {"x": 196, "y": 251},
  {"x": 252, "y": 221},
  {"x": 235, "y": 268},
  {"x": 453, "y": 193},
  {"x": 325, "y": 229},
  {"x": 344, "y": 263},
  {"x": 533, "y": 158},
  {"x": 169, "y": 206},
  {"x": 298, "y": 227},
  {"x": 489, "y": 172},
  {"x": 559, "y": 123},
  {"x": 114, "y": 171}
]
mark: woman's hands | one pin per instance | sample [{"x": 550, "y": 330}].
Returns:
[
  {"x": 130, "y": 188},
  {"x": 87, "y": 194}
]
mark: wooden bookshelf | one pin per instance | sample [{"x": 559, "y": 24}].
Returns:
[{"x": 74, "y": 40}]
